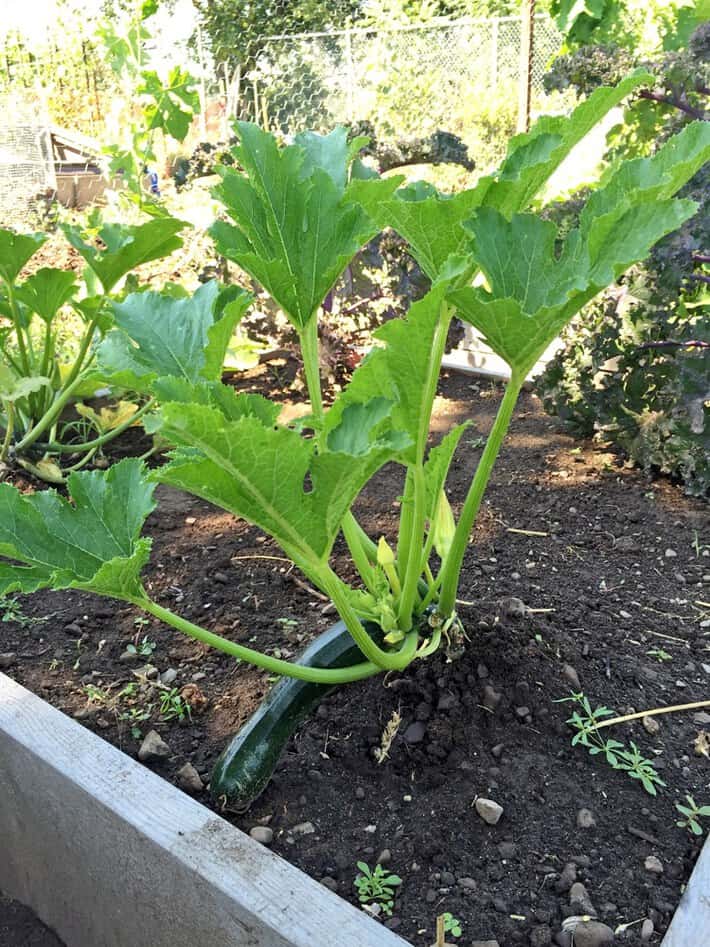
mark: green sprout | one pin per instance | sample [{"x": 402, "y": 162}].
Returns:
[
  {"x": 376, "y": 887},
  {"x": 692, "y": 813}
]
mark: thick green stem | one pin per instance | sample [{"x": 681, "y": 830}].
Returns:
[
  {"x": 273, "y": 665},
  {"x": 9, "y": 408},
  {"x": 412, "y": 567},
  {"x": 454, "y": 560},
  {"x": 311, "y": 364},
  {"x": 21, "y": 346},
  {"x": 50, "y": 417},
  {"x": 358, "y": 552},
  {"x": 413, "y": 564},
  {"x": 387, "y": 660},
  {"x": 72, "y": 382},
  {"x": 55, "y": 448}
]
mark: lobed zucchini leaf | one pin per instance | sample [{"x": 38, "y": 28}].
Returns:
[
  {"x": 158, "y": 335},
  {"x": 271, "y": 476},
  {"x": 46, "y": 291},
  {"x": 399, "y": 370},
  {"x": 532, "y": 292},
  {"x": 14, "y": 388},
  {"x": 126, "y": 247},
  {"x": 432, "y": 223},
  {"x": 296, "y": 228},
  {"x": 91, "y": 543},
  {"x": 15, "y": 250}
]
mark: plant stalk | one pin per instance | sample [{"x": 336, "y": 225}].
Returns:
[
  {"x": 451, "y": 568},
  {"x": 273, "y": 665},
  {"x": 311, "y": 363}
]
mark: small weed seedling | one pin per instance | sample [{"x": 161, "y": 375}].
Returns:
[
  {"x": 585, "y": 721},
  {"x": 659, "y": 654},
  {"x": 95, "y": 695},
  {"x": 452, "y": 925},
  {"x": 144, "y": 648},
  {"x": 693, "y": 813},
  {"x": 173, "y": 706},
  {"x": 376, "y": 887},
  {"x": 11, "y": 610}
]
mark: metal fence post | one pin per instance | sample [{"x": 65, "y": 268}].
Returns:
[
  {"x": 494, "y": 54},
  {"x": 527, "y": 39},
  {"x": 350, "y": 74}
]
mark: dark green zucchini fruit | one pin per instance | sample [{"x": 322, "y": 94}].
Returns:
[{"x": 245, "y": 767}]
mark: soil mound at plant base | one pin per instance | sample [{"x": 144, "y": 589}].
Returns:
[{"x": 607, "y": 598}]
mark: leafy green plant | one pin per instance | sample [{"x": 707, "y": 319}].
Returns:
[
  {"x": 299, "y": 214},
  {"x": 636, "y": 363},
  {"x": 11, "y": 610},
  {"x": 123, "y": 339},
  {"x": 692, "y": 814},
  {"x": 452, "y": 925},
  {"x": 144, "y": 648},
  {"x": 376, "y": 887},
  {"x": 173, "y": 706},
  {"x": 660, "y": 654},
  {"x": 586, "y": 720}
]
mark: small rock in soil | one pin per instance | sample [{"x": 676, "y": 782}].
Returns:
[
  {"x": 507, "y": 849},
  {"x": 385, "y": 857},
  {"x": 626, "y": 544},
  {"x": 593, "y": 934},
  {"x": 129, "y": 657},
  {"x": 653, "y": 865},
  {"x": 515, "y": 607},
  {"x": 153, "y": 747},
  {"x": 647, "y": 930},
  {"x": 470, "y": 884},
  {"x": 304, "y": 828},
  {"x": 567, "y": 878},
  {"x": 522, "y": 712},
  {"x": 414, "y": 733},
  {"x": 189, "y": 779},
  {"x": 670, "y": 553},
  {"x": 7, "y": 659},
  {"x": 651, "y": 725},
  {"x": 571, "y": 676},
  {"x": 485, "y": 943},
  {"x": 579, "y": 899},
  {"x": 585, "y": 819},
  {"x": 491, "y": 697},
  {"x": 168, "y": 677},
  {"x": 262, "y": 834},
  {"x": 701, "y": 717},
  {"x": 329, "y": 883},
  {"x": 489, "y": 810}
]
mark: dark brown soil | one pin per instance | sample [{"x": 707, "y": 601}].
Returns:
[
  {"x": 20, "y": 928},
  {"x": 619, "y": 576}
]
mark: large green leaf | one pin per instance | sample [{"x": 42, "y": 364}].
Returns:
[
  {"x": 90, "y": 543},
  {"x": 399, "y": 370},
  {"x": 535, "y": 155},
  {"x": 174, "y": 103},
  {"x": 46, "y": 291},
  {"x": 295, "y": 228},
  {"x": 159, "y": 335},
  {"x": 532, "y": 292},
  {"x": 270, "y": 476},
  {"x": 15, "y": 250},
  {"x": 13, "y": 387},
  {"x": 126, "y": 247},
  {"x": 431, "y": 222}
]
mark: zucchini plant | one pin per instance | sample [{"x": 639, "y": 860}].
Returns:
[
  {"x": 36, "y": 382},
  {"x": 299, "y": 214}
]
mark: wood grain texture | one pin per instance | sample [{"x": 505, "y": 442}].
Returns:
[
  {"x": 690, "y": 926},
  {"x": 110, "y": 855}
]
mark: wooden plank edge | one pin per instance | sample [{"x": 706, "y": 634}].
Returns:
[{"x": 108, "y": 853}]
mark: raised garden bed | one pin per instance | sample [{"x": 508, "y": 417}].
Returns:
[{"x": 618, "y": 574}]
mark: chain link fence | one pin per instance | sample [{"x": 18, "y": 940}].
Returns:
[
  {"x": 460, "y": 76},
  {"x": 26, "y": 165}
]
